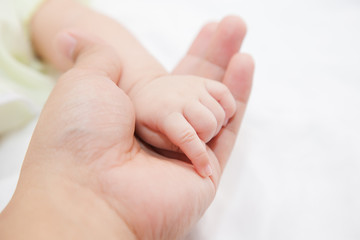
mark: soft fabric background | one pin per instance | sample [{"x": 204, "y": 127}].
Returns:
[{"x": 295, "y": 170}]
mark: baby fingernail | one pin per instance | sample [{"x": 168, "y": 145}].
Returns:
[{"x": 208, "y": 170}]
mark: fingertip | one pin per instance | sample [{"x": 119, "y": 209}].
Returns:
[
  {"x": 66, "y": 43},
  {"x": 202, "y": 118},
  {"x": 209, "y": 28},
  {"x": 87, "y": 51},
  {"x": 234, "y": 23},
  {"x": 224, "y": 97},
  {"x": 202, "y": 163},
  {"x": 226, "y": 41},
  {"x": 201, "y": 42},
  {"x": 207, "y": 171},
  {"x": 202, "y": 166}
]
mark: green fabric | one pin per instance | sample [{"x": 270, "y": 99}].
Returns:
[{"x": 25, "y": 82}]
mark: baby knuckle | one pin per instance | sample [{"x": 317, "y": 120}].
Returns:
[
  {"x": 208, "y": 130},
  {"x": 220, "y": 87},
  {"x": 200, "y": 155},
  {"x": 225, "y": 90},
  {"x": 211, "y": 125},
  {"x": 186, "y": 137},
  {"x": 221, "y": 115}
]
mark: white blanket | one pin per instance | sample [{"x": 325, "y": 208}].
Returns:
[{"x": 295, "y": 170}]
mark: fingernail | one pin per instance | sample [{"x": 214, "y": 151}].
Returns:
[
  {"x": 67, "y": 44},
  {"x": 208, "y": 170},
  {"x": 71, "y": 45}
]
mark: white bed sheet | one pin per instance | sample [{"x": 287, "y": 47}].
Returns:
[{"x": 295, "y": 170}]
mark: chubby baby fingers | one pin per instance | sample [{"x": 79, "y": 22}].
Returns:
[
  {"x": 217, "y": 110},
  {"x": 202, "y": 120},
  {"x": 223, "y": 95},
  {"x": 182, "y": 134}
]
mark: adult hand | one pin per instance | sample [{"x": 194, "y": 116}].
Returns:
[{"x": 86, "y": 175}]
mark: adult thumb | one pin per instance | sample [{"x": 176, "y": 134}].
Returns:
[{"x": 90, "y": 53}]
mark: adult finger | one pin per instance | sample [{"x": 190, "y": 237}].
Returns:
[
  {"x": 89, "y": 53},
  {"x": 226, "y": 41},
  {"x": 238, "y": 79},
  {"x": 213, "y": 48},
  {"x": 201, "y": 43}
]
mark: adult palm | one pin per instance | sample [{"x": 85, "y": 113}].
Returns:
[{"x": 86, "y": 132}]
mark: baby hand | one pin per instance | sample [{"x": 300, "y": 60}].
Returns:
[{"x": 183, "y": 112}]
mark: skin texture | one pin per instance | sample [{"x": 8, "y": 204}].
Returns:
[
  {"x": 86, "y": 176},
  {"x": 84, "y": 160},
  {"x": 175, "y": 112},
  {"x": 182, "y": 111}
]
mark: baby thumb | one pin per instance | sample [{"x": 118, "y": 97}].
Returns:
[{"x": 90, "y": 53}]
